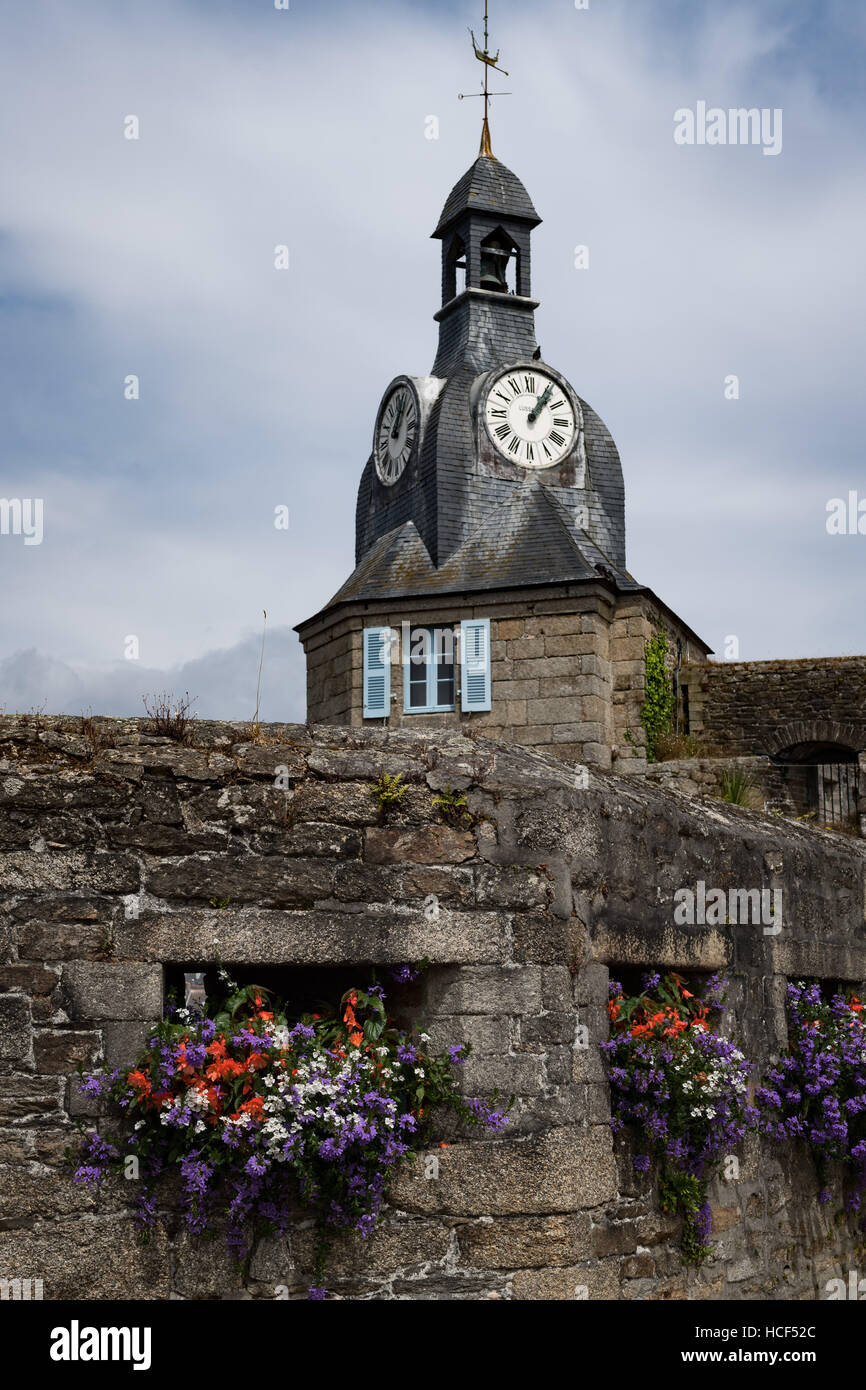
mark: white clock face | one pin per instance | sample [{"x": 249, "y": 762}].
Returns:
[
  {"x": 396, "y": 431},
  {"x": 530, "y": 418}
]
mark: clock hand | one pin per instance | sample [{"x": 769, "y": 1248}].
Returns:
[
  {"x": 395, "y": 428},
  {"x": 540, "y": 404}
]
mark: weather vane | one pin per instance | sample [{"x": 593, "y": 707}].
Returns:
[{"x": 484, "y": 56}]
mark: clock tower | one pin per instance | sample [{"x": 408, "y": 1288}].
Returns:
[{"x": 490, "y": 580}]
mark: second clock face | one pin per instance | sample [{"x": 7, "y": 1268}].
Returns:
[
  {"x": 530, "y": 418},
  {"x": 396, "y": 431}
]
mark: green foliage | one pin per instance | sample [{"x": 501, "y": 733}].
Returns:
[
  {"x": 736, "y": 786},
  {"x": 657, "y": 711},
  {"x": 389, "y": 790},
  {"x": 452, "y": 806},
  {"x": 686, "y": 1194}
]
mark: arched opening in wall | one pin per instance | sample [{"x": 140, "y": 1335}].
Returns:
[
  {"x": 455, "y": 269},
  {"x": 500, "y": 271},
  {"x": 822, "y": 781}
]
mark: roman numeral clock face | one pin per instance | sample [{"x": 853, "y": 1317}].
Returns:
[
  {"x": 530, "y": 418},
  {"x": 396, "y": 432}
]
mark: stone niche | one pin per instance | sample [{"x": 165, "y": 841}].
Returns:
[{"x": 117, "y": 845}]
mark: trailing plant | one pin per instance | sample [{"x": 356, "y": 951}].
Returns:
[
  {"x": 252, "y": 1110},
  {"x": 682, "y": 1088},
  {"x": 657, "y": 711},
  {"x": 817, "y": 1089}
]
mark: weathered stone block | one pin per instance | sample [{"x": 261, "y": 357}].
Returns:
[
  {"x": 261, "y": 937},
  {"x": 29, "y": 872},
  {"x": 485, "y": 990},
  {"x": 431, "y": 844},
  {"x": 27, "y": 979},
  {"x": 522, "y": 1074},
  {"x": 30, "y": 1100},
  {"x": 113, "y": 990},
  {"x": 599, "y": 1280},
  {"x": 55, "y": 942},
  {"x": 560, "y": 1171},
  {"x": 15, "y": 1031},
  {"x": 88, "y": 1257},
  {"x": 124, "y": 1042},
  {"x": 484, "y": 1035},
  {"x": 521, "y": 1242},
  {"x": 58, "y": 1052},
  {"x": 269, "y": 880}
]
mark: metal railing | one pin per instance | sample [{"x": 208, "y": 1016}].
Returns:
[
  {"x": 834, "y": 792},
  {"x": 830, "y": 792}
]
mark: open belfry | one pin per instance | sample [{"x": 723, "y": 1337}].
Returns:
[{"x": 490, "y": 583}]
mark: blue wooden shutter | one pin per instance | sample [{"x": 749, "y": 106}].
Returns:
[
  {"x": 377, "y": 672},
  {"x": 475, "y": 657}
]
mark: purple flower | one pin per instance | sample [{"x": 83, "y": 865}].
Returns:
[
  {"x": 91, "y": 1085},
  {"x": 642, "y": 1163},
  {"x": 403, "y": 974}
]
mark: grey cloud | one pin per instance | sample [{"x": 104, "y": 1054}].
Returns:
[{"x": 222, "y": 683}]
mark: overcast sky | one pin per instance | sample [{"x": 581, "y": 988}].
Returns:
[{"x": 259, "y": 387}]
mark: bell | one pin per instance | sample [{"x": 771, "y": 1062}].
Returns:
[
  {"x": 494, "y": 260},
  {"x": 493, "y": 274}
]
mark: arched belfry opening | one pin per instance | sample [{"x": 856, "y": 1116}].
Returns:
[
  {"x": 455, "y": 268},
  {"x": 500, "y": 263}
]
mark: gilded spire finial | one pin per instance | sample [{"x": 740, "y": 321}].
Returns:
[{"x": 490, "y": 61}]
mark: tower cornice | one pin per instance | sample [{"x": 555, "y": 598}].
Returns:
[{"x": 509, "y": 301}]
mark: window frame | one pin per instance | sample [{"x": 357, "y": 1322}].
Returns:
[{"x": 430, "y": 707}]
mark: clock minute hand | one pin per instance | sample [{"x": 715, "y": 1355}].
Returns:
[
  {"x": 540, "y": 404},
  {"x": 395, "y": 428}
]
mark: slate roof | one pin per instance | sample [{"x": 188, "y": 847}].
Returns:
[
  {"x": 532, "y": 538},
  {"x": 487, "y": 186}
]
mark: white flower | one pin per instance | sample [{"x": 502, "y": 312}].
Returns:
[{"x": 425, "y": 1037}]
